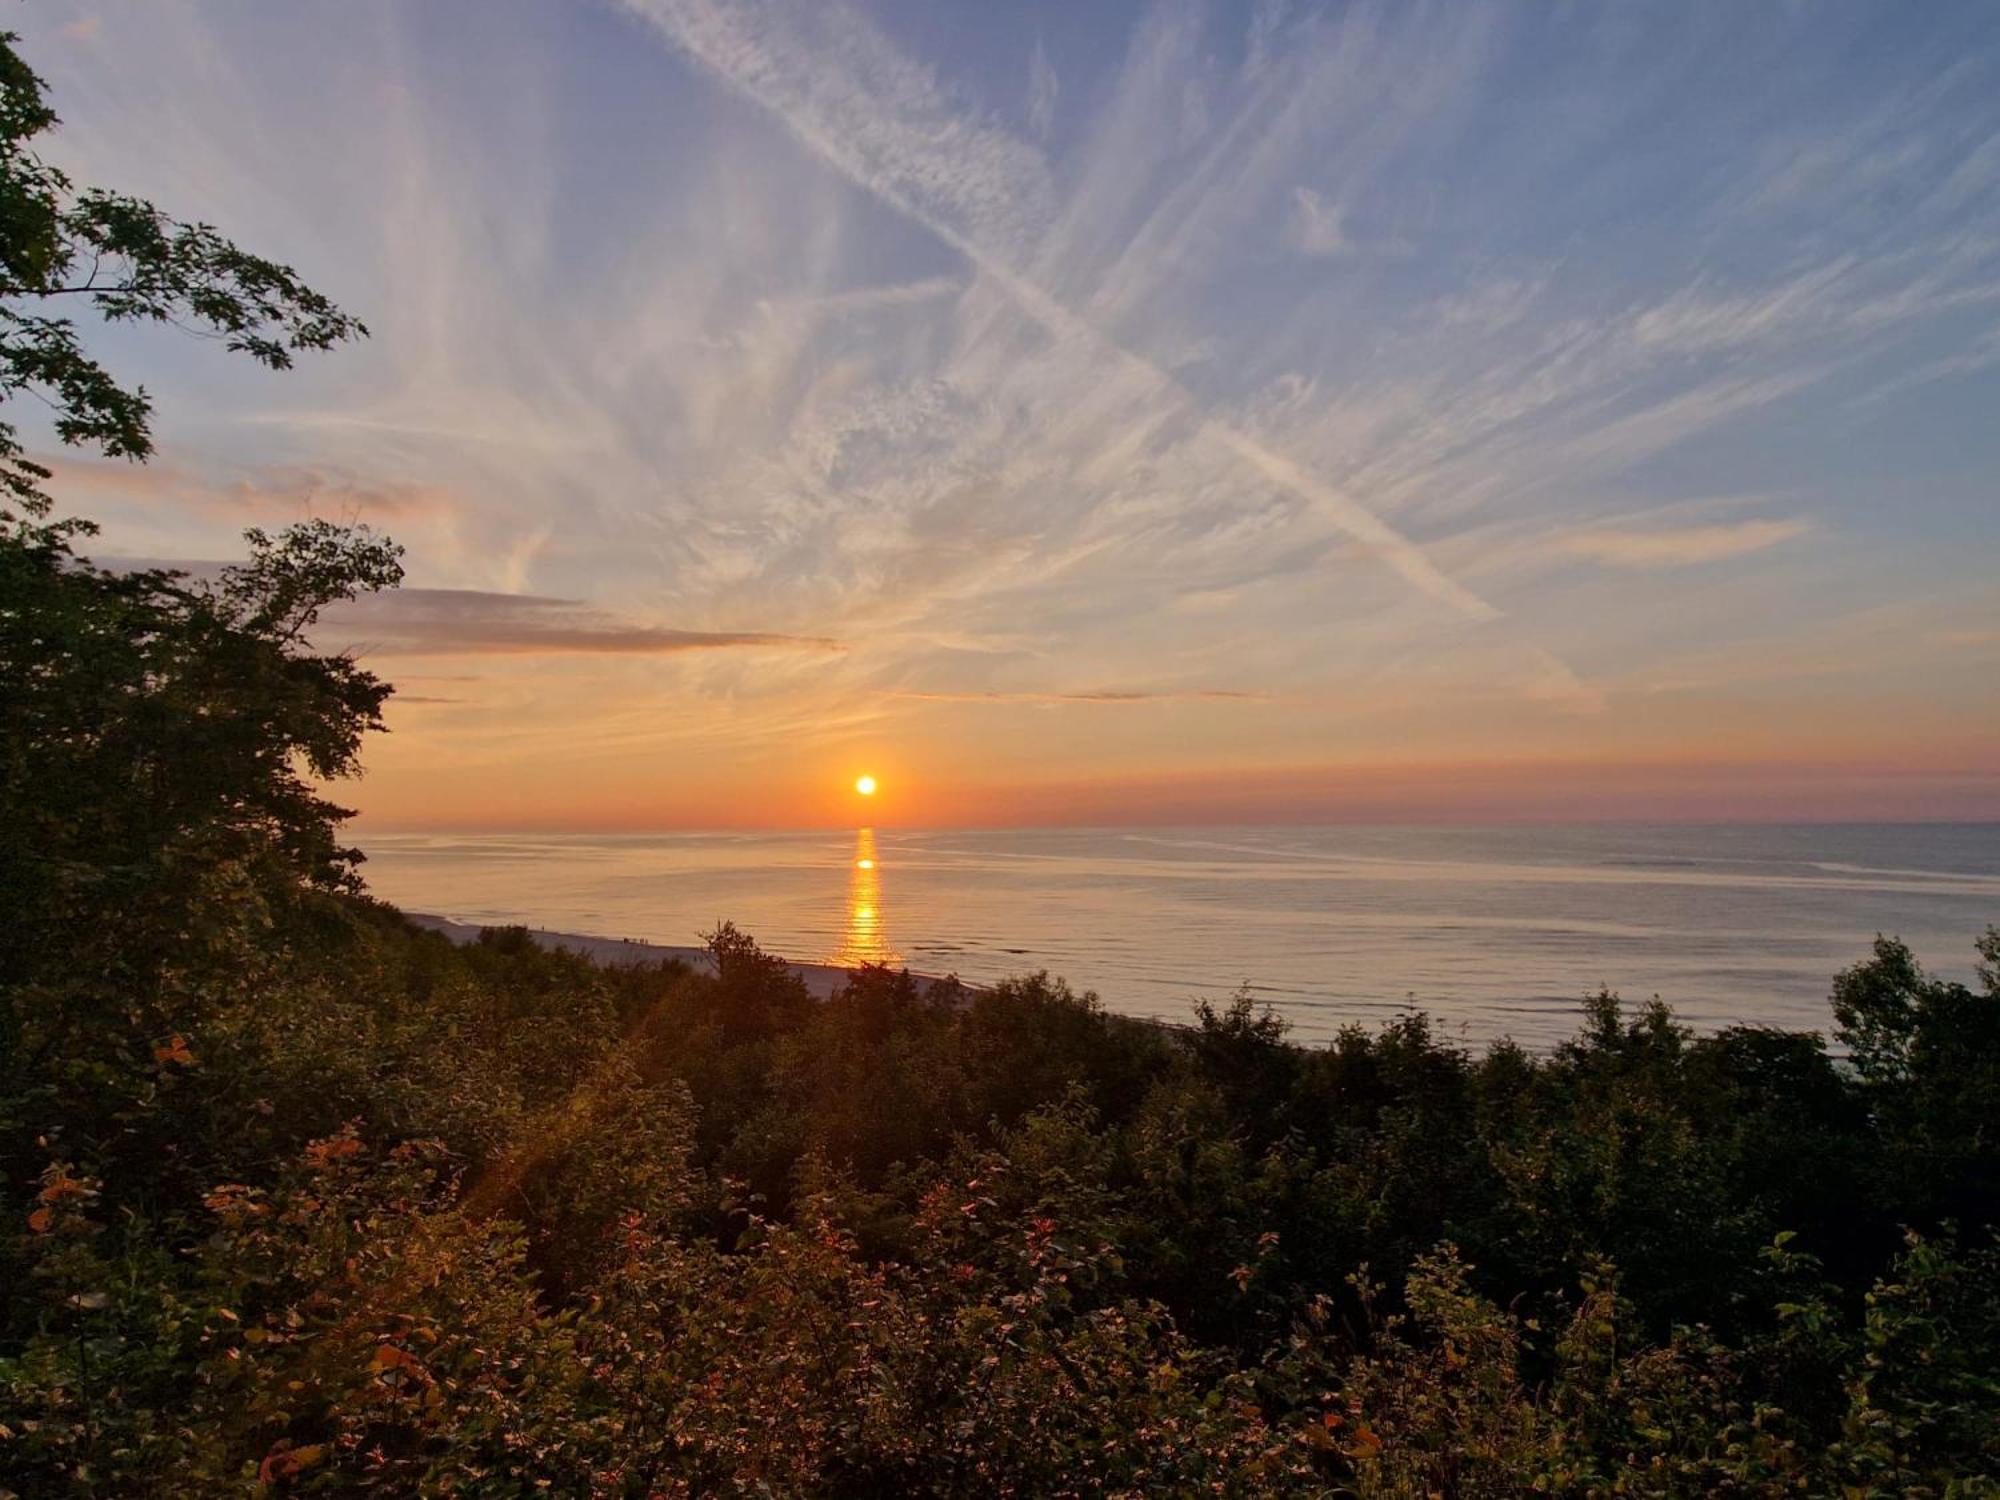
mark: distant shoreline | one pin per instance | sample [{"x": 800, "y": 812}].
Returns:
[{"x": 822, "y": 981}]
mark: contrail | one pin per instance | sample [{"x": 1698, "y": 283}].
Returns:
[{"x": 736, "y": 56}]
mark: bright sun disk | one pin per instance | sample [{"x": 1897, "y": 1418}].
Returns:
[{"x": 865, "y": 785}]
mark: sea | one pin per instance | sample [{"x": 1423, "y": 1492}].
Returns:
[{"x": 1494, "y": 932}]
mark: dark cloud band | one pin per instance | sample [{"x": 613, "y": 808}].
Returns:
[{"x": 471, "y": 622}]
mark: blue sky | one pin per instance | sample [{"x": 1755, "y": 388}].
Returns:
[{"x": 1081, "y": 410}]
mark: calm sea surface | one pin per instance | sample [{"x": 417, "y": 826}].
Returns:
[{"x": 1495, "y": 931}]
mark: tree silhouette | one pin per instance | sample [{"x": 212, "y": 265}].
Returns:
[{"x": 128, "y": 262}]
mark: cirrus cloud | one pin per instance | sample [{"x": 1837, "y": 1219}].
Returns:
[
  {"x": 1117, "y": 697},
  {"x": 1680, "y": 546}
]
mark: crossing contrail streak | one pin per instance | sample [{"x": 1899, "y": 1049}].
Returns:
[{"x": 898, "y": 162}]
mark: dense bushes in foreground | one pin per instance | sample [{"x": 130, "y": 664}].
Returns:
[{"x": 391, "y": 1215}]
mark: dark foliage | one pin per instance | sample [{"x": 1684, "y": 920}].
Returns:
[
  {"x": 125, "y": 261},
  {"x": 465, "y": 1220}
]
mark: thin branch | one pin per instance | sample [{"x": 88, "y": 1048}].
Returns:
[{"x": 63, "y": 291}]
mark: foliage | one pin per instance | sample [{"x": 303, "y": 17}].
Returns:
[
  {"x": 482, "y": 1227},
  {"x": 127, "y": 262},
  {"x": 165, "y": 738},
  {"x": 161, "y": 815}
]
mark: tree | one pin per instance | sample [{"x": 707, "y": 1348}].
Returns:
[
  {"x": 129, "y": 262},
  {"x": 162, "y": 737},
  {"x": 147, "y": 712}
]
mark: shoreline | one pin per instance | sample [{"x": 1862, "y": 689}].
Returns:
[{"x": 822, "y": 981}]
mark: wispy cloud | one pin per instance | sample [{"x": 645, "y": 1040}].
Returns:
[
  {"x": 1112, "y": 697},
  {"x": 1696, "y": 320},
  {"x": 1682, "y": 546},
  {"x": 273, "y": 493},
  {"x": 882, "y": 125},
  {"x": 468, "y": 622},
  {"x": 1317, "y": 227},
  {"x": 1043, "y": 89}
]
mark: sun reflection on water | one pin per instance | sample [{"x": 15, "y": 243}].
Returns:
[{"x": 863, "y": 939}]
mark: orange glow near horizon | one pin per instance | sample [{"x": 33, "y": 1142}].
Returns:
[{"x": 413, "y": 785}]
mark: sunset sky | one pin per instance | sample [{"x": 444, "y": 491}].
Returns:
[{"x": 1102, "y": 413}]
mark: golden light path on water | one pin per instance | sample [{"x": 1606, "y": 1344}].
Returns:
[{"x": 864, "y": 939}]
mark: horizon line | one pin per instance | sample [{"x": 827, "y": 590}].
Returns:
[{"x": 887, "y": 826}]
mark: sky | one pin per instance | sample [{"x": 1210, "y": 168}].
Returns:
[{"x": 1104, "y": 413}]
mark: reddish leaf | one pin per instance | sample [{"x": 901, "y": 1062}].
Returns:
[{"x": 175, "y": 1050}]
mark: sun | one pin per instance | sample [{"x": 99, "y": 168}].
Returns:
[{"x": 865, "y": 785}]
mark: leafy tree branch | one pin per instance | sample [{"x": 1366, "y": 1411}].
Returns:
[{"x": 132, "y": 263}]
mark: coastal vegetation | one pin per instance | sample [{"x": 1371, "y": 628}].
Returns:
[{"x": 297, "y": 1198}]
